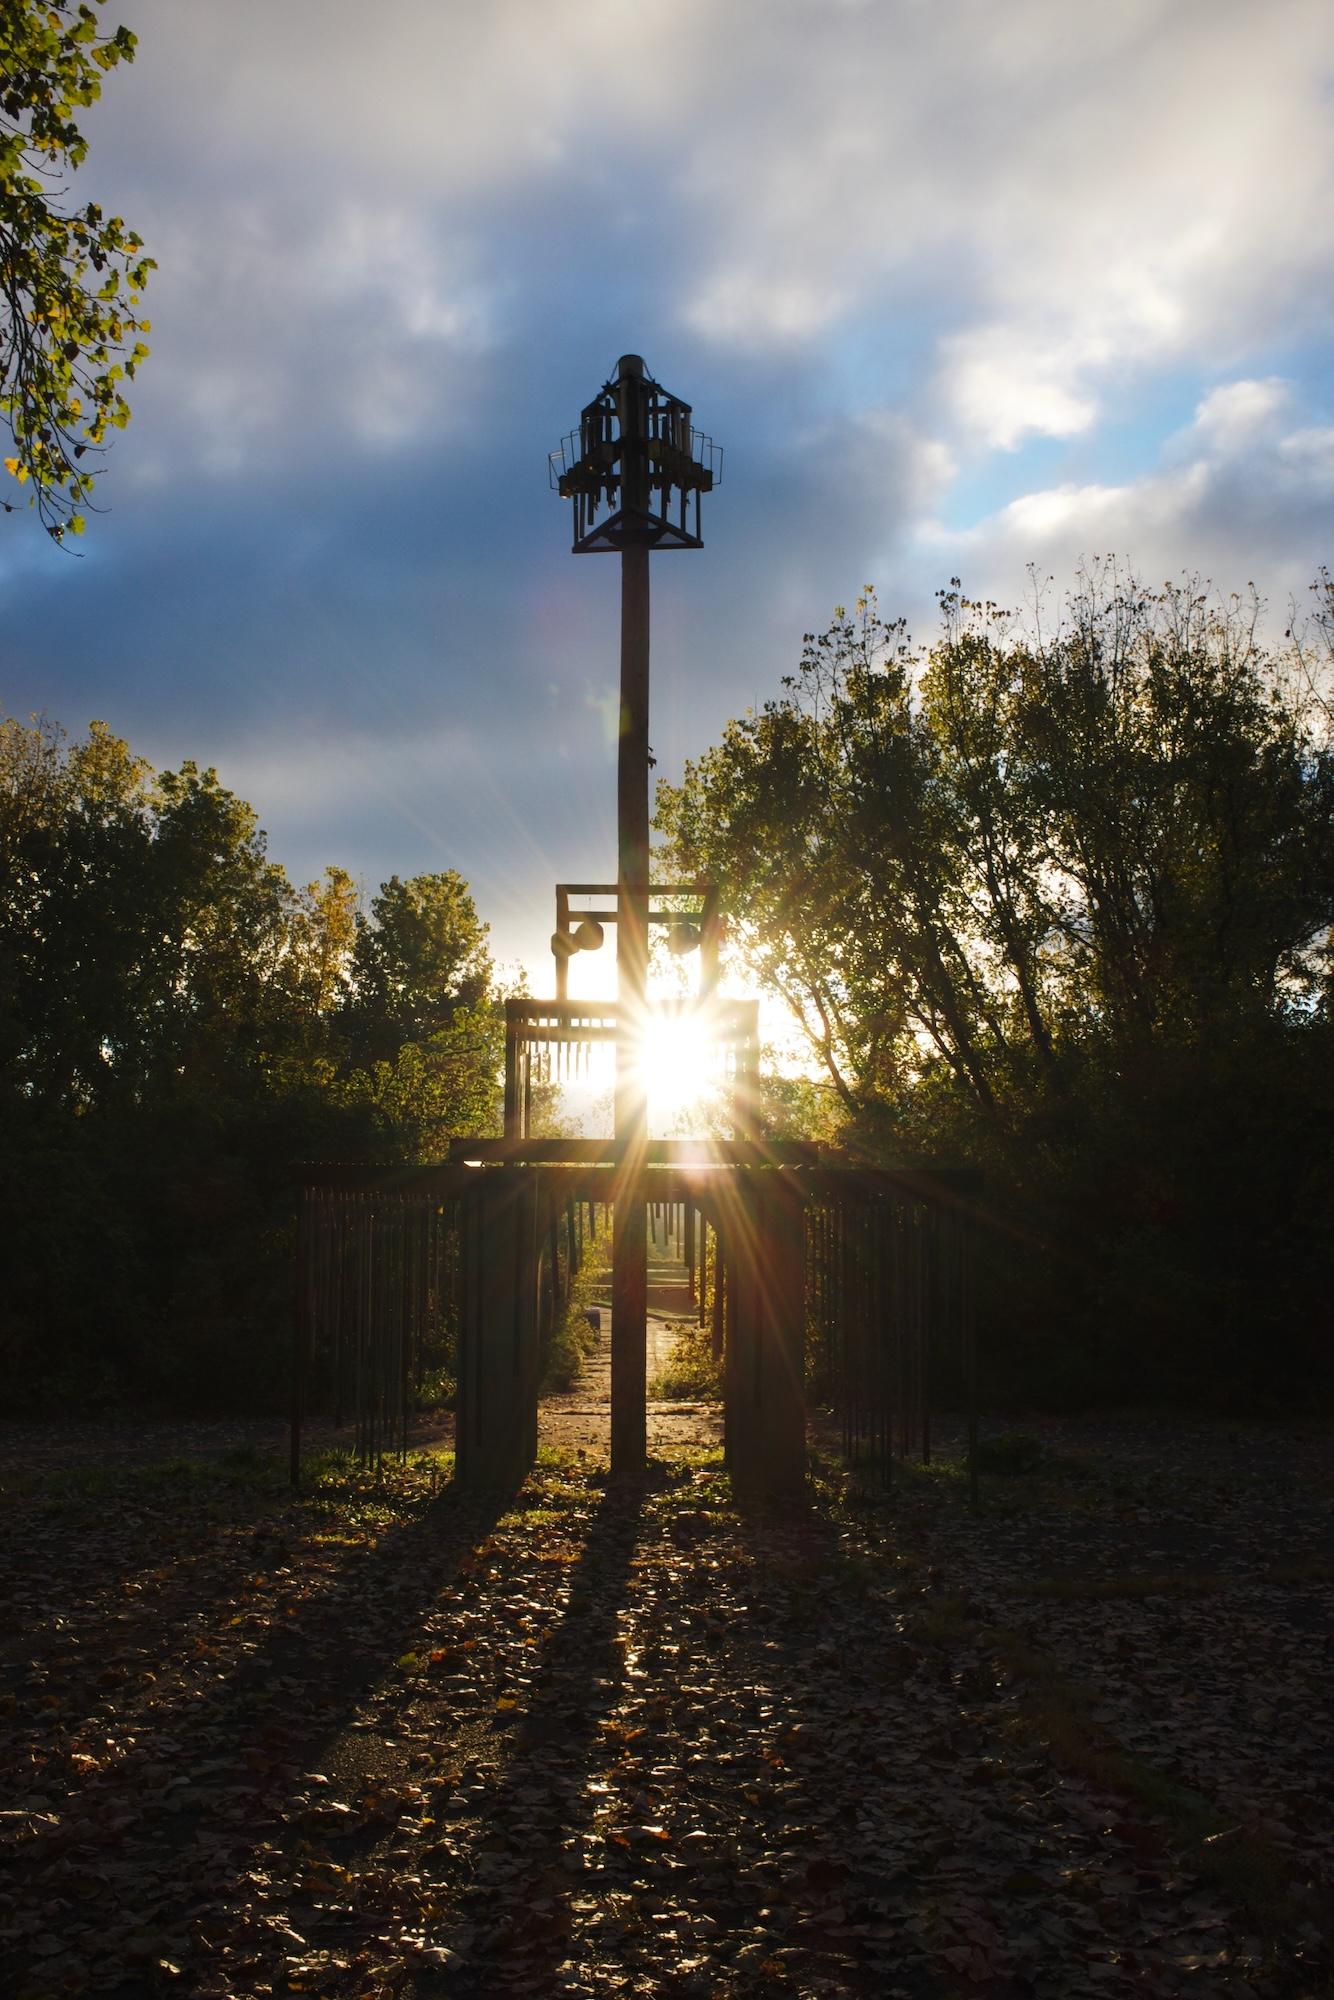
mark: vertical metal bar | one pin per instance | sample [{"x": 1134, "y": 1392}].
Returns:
[
  {"x": 967, "y": 1314},
  {"x": 629, "y": 1284},
  {"x": 512, "y": 1058},
  {"x": 929, "y": 1225},
  {"x": 718, "y": 1329},
  {"x": 299, "y": 1310},
  {"x": 562, "y": 959},
  {"x": 882, "y": 1335},
  {"x": 709, "y": 946}
]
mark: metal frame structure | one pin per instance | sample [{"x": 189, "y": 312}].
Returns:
[
  {"x": 697, "y": 927},
  {"x": 800, "y": 1253},
  {"x": 546, "y": 1040},
  {"x": 803, "y": 1240},
  {"x": 636, "y": 468},
  {"x": 634, "y": 473}
]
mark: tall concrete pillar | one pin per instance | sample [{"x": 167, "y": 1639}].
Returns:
[
  {"x": 496, "y": 1409},
  {"x": 764, "y": 1366}
]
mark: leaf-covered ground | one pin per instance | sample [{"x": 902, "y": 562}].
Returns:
[{"x": 376, "y": 1740}]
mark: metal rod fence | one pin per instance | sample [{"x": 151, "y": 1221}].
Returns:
[
  {"x": 889, "y": 1317},
  {"x": 376, "y": 1314}
]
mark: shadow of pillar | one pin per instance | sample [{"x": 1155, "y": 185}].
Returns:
[
  {"x": 543, "y": 1808},
  {"x": 496, "y": 1424}
]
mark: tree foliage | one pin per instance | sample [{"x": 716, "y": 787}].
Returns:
[
  {"x": 71, "y": 276},
  {"x": 1059, "y": 899},
  {"x": 418, "y": 958},
  {"x": 179, "y": 1027}
]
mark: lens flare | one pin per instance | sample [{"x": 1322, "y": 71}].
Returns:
[{"x": 679, "y": 1066}]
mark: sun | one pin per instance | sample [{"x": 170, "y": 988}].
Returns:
[{"x": 679, "y": 1066}]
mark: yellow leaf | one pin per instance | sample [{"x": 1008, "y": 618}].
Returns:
[{"x": 19, "y": 471}]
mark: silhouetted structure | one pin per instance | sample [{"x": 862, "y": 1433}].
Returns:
[
  {"x": 634, "y": 480},
  {"x": 801, "y": 1241}
]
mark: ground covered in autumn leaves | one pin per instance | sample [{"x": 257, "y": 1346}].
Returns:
[{"x": 377, "y": 1740}]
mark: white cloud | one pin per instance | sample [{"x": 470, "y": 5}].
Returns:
[
  {"x": 413, "y": 94},
  {"x": 1243, "y": 493},
  {"x": 1235, "y": 413},
  {"x": 311, "y": 778},
  {"x": 298, "y": 326},
  {"x": 1071, "y": 194},
  {"x": 741, "y": 306},
  {"x": 878, "y": 238},
  {"x": 1003, "y": 385}
]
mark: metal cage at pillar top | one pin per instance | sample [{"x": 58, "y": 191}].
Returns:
[{"x": 635, "y": 468}]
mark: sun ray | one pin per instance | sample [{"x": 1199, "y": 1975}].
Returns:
[{"x": 680, "y": 1070}]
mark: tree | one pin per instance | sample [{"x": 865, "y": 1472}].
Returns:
[
  {"x": 179, "y": 1029},
  {"x": 71, "y": 276},
  {"x": 419, "y": 956},
  {"x": 1061, "y": 902}
]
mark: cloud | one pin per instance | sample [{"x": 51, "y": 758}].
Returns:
[
  {"x": 362, "y": 233},
  {"x": 300, "y": 330},
  {"x": 1003, "y": 384},
  {"x": 743, "y": 305},
  {"x": 897, "y": 254},
  {"x": 1084, "y": 192},
  {"x": 1236, "y": 414},
  {"x": 1092, "y": 194},
  {"x": 1242, "y": 493}
]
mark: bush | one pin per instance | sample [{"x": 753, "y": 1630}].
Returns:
[
  {"x": 571, "y": 1338},
  {"x": 691, "y": 1373}
]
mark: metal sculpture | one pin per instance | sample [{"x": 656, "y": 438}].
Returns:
[
  {"x": 794, "y": 1252},
  {"x": 634, "y": 472}
]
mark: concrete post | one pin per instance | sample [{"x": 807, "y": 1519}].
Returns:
[
  {"x": 496, "y": 1414},
  {"x": 764, "y": 1386}
]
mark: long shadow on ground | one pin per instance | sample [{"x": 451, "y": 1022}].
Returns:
[
  {"x": 168, "y": 1822},
  {"x": 540, "y": 1857}
]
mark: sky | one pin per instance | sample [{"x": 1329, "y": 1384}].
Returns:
[{"x": 960, "y": 287}]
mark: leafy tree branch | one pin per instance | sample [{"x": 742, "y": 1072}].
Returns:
[{"x": 71, "y": 276}]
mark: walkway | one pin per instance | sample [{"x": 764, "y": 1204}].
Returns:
[{"x": 581, "y": 1419}]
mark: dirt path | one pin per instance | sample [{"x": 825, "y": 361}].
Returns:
[
  {"x": 581, "y": 1419},
  {"x": 377, "y": 1744},
  {"x": 381, "y": 1742}
]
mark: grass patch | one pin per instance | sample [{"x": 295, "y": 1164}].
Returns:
[
  {"x": 691, "y": 1374},
  {"x": 243, "y": 1467},
  {"x": 939, "y": 1622},
  {"x": 437, "y": 1390},
  {"x": 1012, "y": 1455},
  {"x": 336, "y": 1485},
  {"x": 1018, "y": 1456}
]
